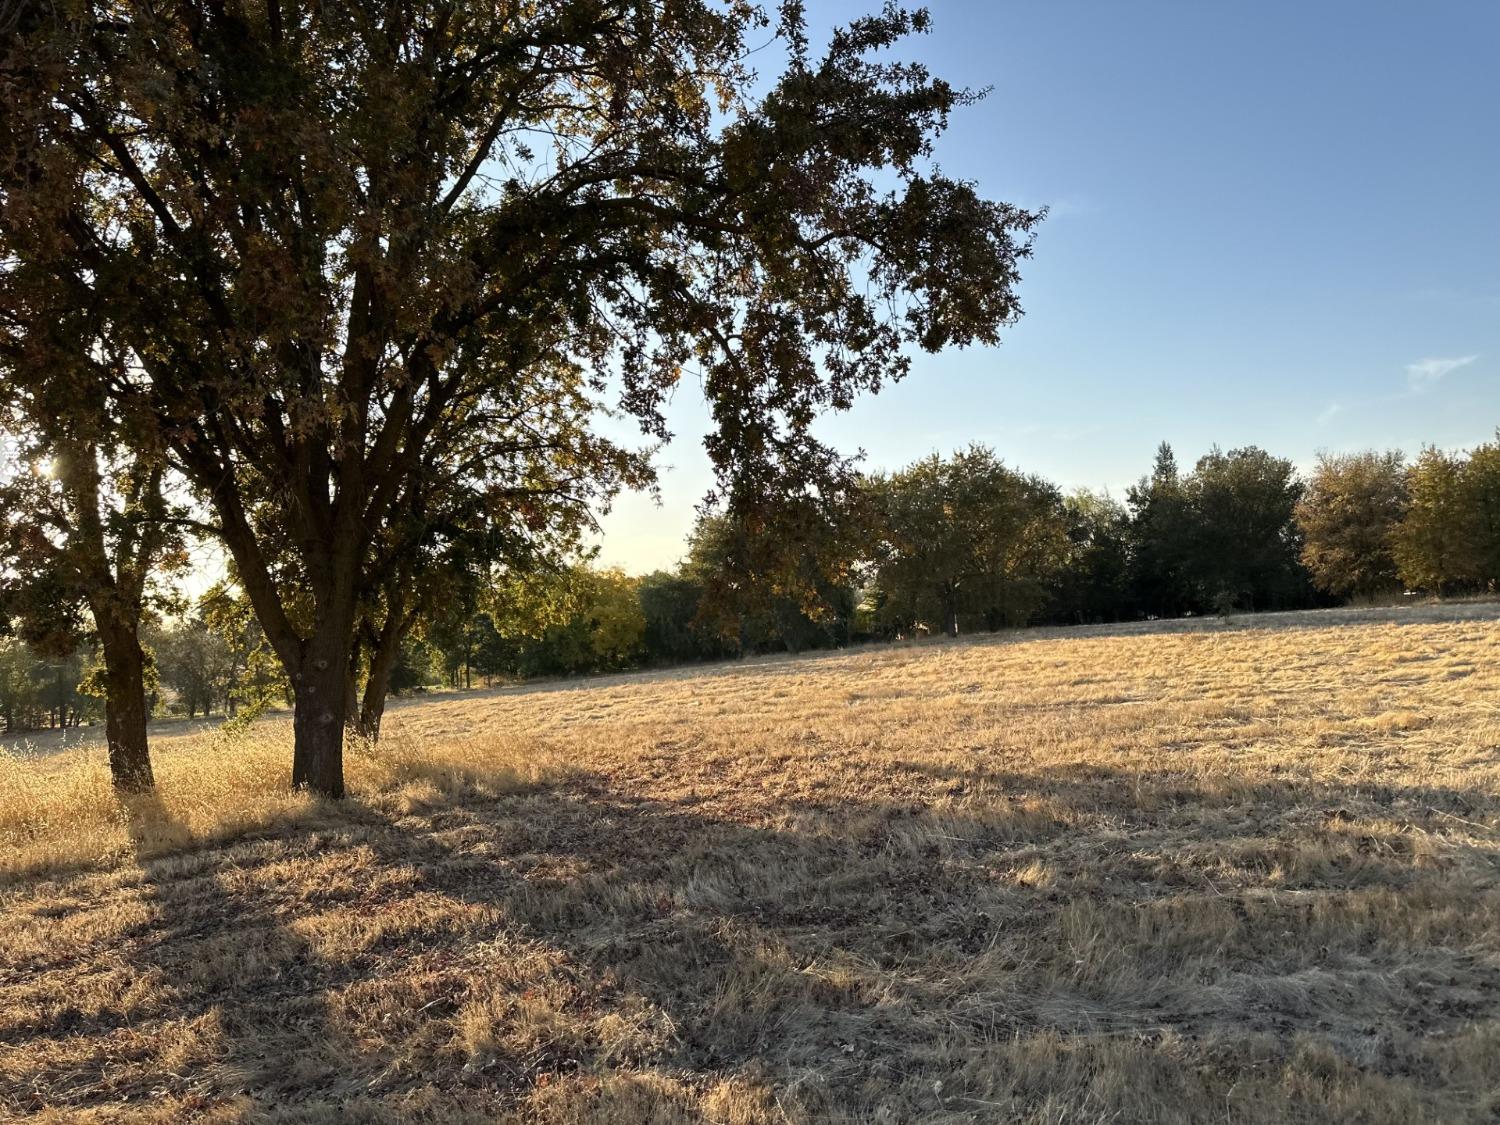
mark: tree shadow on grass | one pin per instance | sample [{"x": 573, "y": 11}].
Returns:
[
  {"x": 571, "y": 952},
  {"x": 826, "y": 954},
  {"x": 199, "y": 995}
]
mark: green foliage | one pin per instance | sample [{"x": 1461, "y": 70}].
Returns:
[
  {"x": 1244, "y": 546},
  {"x": 670, "y": 602},
  {"x": 1161, "y": 530},
  {"x": 603, "y": 629},
  {"x": 1449, "y": 540},
  {"x": 616, "y": 626},
  {"x": 196, "y": 664},
  {"x": 42, "y": 692},
  {"x": 779, "y": 580},
  {"x": 1347, "y": 516},
  {"x": 1095, "y": 583},
  {"x": 414, "y": 669},
  {"x": 966, "y": 537},
  {"x": 1220, "y": 539},
  {"x": 1480, "y": 484},
  {"x": 247, "y": 674},
  {"x": 1432, "y": 542}
]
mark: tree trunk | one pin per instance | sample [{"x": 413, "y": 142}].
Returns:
[
  {"x": 125, "y": 706},
  {"x": 378, "y": 683},
  {"x": 321, "y": 709},
  {"x": 351, "y": 695},
  {"x": 372, "y": 705}
]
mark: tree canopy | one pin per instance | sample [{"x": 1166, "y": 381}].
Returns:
[
  {"x": 1348, "y": 515},
  {"x": 337, "y": 241},
  {"x": 966, "y": 535}
]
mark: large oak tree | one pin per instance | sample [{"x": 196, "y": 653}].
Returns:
[{"x": 340, "y": 233}]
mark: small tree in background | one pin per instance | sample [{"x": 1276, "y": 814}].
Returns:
[
  {"x": 1160, "y": 539},
  {"x": 256, "y": 679},
  {"x": 1243, "y": 547},
  {"x": 44, "y": 692},
  {"x": 966, "y": 535},
  {"x": 1348, "y": 515},
  {"x": 1094, "y": 585},
  {"x": 18, "y": 687},
  {"x": 1434, "y": 543},
  {"x": 781, "y": 580},
  {"x": 1479, "y": 485},
  {"x": 616, "y": 626},
  {"x": 924, "y": 557},
  {"x": 198, "y": 663},
  {"x": 670, "y": 604},
  {"x": 413, "y": 669},
  {"x": 1023, "y": 551}
]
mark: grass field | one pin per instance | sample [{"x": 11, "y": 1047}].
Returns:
[{"x": 1229, "y": 873}]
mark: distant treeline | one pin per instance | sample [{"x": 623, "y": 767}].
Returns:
[
  {"x": 967, "y": 543},
  {"x": 38, "y": 693},
  {"x": 211, "y": 661},
  {"x": 953, "y": 545}
]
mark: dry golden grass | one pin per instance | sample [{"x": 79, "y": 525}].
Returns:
[{"x": 1243, "y": 873}]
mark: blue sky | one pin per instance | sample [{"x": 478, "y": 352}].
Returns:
[{"x": 1272, "y": 223}]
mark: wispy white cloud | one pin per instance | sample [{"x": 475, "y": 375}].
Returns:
[
  {"x": 1328, "y": 413},
  {"x": 1427, "y": 373}
]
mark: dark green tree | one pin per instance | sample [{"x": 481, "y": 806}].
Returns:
[
  {"x": 1160, "y": 539},
  {"x": 1244, "y": 550},
  {"x": 670, "y": 601},
  {"x": 782, "y": 579},
  {"x": 1480, "y": 485},
  {"x": 198, "y": 664},
  {"x": 966, "y": 536},
  {"x": 1094, "y": 585},
  {"x": 1449, "y": 539}
]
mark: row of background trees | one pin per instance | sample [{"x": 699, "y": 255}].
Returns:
[{"x": 950, "y": 545}]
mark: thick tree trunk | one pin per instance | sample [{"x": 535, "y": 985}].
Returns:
[
  {"x": 125, "y": 707},
  {"x": 321, "y": 709}
]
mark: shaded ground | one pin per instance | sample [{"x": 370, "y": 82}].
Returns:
[{"x": 1246, "y": 875}]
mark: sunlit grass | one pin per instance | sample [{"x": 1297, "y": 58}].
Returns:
[{"x": 219, "y": 785}]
